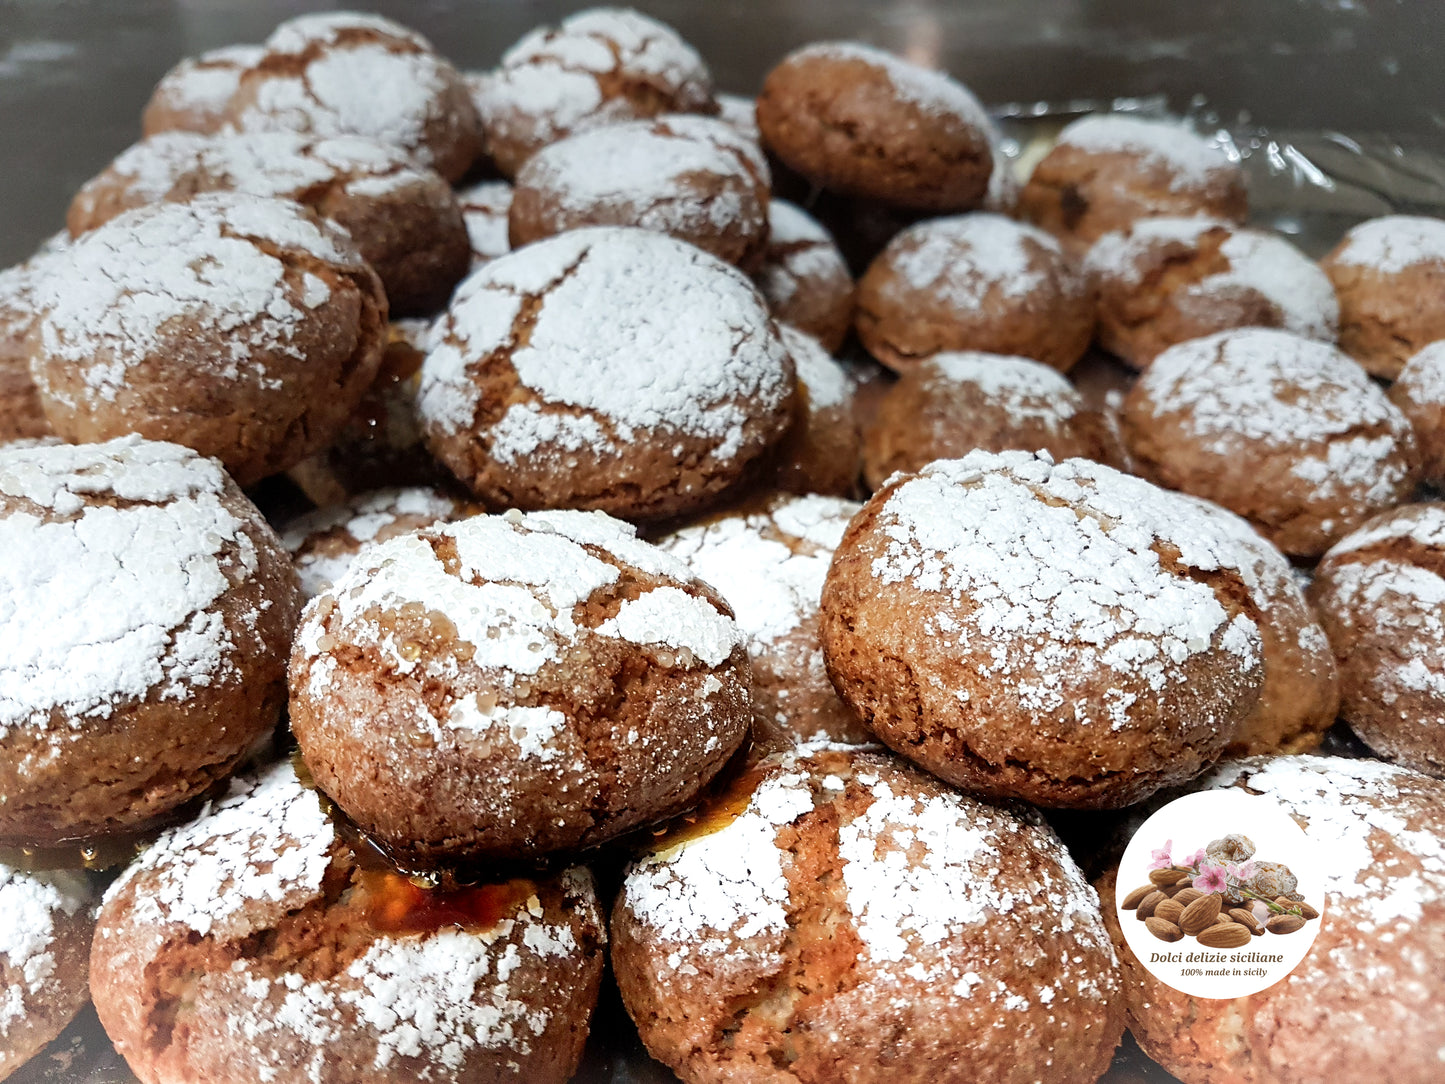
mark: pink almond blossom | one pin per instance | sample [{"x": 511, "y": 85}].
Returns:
[
  {"x": 1160, "y": 859},
  {"x": 1210, "y": 878}
]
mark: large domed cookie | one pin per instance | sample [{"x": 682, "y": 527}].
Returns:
[
  {"x": 145, "y": 614},
  {"x": 597, "y": 67},
  {"x": 769, "y": 564},
  {"x": 689, "y": 177},
  {"x": 1364, "y": 1002},
  {"x": 1379, "y": 593},
  {"x": 862, "y": 122},
  {"x": 245, "y": 328},
  {"x": 1286, "y": 432},
  {"x": 1061, "y": 633},
  {"x": 605, "y": 368},
  {"x": 44, "y": 953},
  {"x": 405, "y": 220},
  {"x": 251, "y": 945},
  {"x": 846, "y": 917},
  {"x": 1107, "y": 170},
  {"x": 510, "y": 686},
  {"x": 347, "y": 73}
]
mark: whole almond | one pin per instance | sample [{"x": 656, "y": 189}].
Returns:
[
  {"x": 1225, "y": 935},
  {"x": 1199, "y": 915},
  {"x": 1187, "y": 896},
  {"x": 1165, "y": 931},
  {"x": 1148, "y": 903},
  {"x": 1162, "y": 877},
  {"x": 1169, "y": 911},
  {"x": 1171, "y": 890},
  {"x": 1133, "y": 899},
  {"x": 1308, "y": 911},
  {"x": 1246, "y": 918},
  {"x": 1284, "y": 924},
  {"x": 1222, "y": 919}
]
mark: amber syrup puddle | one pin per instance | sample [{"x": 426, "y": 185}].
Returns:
[{"x": 723, "y": 801}]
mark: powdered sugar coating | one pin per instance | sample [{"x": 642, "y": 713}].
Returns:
[
  {"x": 484, "y": 207},
  {"x": 1422, "y": 381},
  {"x": 741, "y": 113},
  {"x": 331, "y": 27},
  {"x": 829, "y": 385},
  {"x": 637, "y": 333},
  {"x": 120, "y": 293},
  {"x": 1259, "y": 262},
  {"x": 800, "y": 252},
  {"x": 1029, "y": 390},
  {"x": 117, "y": 557},
  {"x": 1190, "y": 159},
  {"x": 31, "y": 904},
  {"x": 933, "y": 92},
  {"x": 960, "y": 260},
  {"x": 1053, "y": 570},
  {"x": 1393, "y": 243},
  {"x": 1351, "y": 813},
  {"x": 202, "y": 86},
  {"x": 1420, "y": 524}
]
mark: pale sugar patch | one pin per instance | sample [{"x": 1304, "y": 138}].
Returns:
[
  {"x": 1027, "y": 390},
  {"x": 1191, "y": 159},
  {"x": 31, "y": 903},
  {"x": 931, "y": 91},
  {"x": 1393, "y": 243},
  {"x": 205, "y": 84},
  {"x": 1422, "y": 381},
  {"x": 328, "y": 27},
  {"x": 962, "y": 259},
  {"x": 669, "y": 616},
  {"x": 484, "y": 208},
  {"x": 828, "y": 384}
]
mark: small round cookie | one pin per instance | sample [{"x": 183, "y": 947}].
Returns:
[
  {"x": 598, "y": 67},
  {"x": 1162, "y": 281},
  {"x": 953, "y": 403},
  {"x": 1107, "y": 170},
  {"x": 1061, "y": 633},
  {"x": 323, "y": 544},
  {"x": 348, "y": 73},
  {"x": 485, "y": 207},
  {"x": 822, "y": 450},
  {"x": 1419, "y": 392},
  {"x": 974, "y": 282},
  {"x": 742, "y": 114},
  {"x": 548, "y": 682},
  {"x": 406, "y": 221},
  {"x": 245, "y": 328},
  {"x": 1364, "y": 1002},
  {"x": 1288, "y": 433},
  {"x": 769, "y": 564},
  {"x": 862, "y": 122},
  {"x": 252, "y": 944},
  {"x": 804, "y": 277},
  {"x": 145, "y": 614},
  {"x": 1389, "y": 276},
  {"x": 690, "y": 177},
  {"x": 44, "y": 954},
  {"x": 1300, "y": 697},
  {"x": 902, "y": 932},
  {"x": 607, "y": 368},
  {"x": 1379, "y": 593},
  {"x": 195, "y": 95}
]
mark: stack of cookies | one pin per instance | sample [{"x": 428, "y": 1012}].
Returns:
[{"x": 667, "y": 615}]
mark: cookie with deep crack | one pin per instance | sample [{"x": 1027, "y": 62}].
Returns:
[
  {"x": 607, "y": 368},
  {"x": 253, "y": 944},
  {"x": 842, "y": 916}
]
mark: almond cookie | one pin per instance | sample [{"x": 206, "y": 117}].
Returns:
[
  {"x": 605, "y": 368},
  {"x": 847, "y": 917},
  {"x": 1108, "y": 170},
  {"x": 405, "y": 221},
  {"x": 769, "y": 564},
  {"x": 1389, "y": 276},
  {"x": 1300, "y": 697},
  {"x": 822, "y": 450},
  {"x": 325, "y": 543},
  {"x": 246, "y": 328},
  {"x": 253, "y": 944},
  {"x": 1061, "y": 633},
  {"x": 44, "y": 949},
  {"x": 1364, "y": 1002},
  {"x": 1419, "y": 392},
  {"x": 598, "y": 67},
  {"x": 347, "y": 73},
  {"x": 1379, "y": 593},
  {"x": 804, "y": 277},
  {"x": 145, "y": 613},
  {"x": 548, "y": 682},
  {"x": 974, "y": 282},
  {"x": 195, "y": 95},
  {"x": 690, "y": 177},
  {"x": 1164, "y": 280},
  {"x": 485, "y": 207},
  {"x": 862, "y": 122},
  {"x": 953, "y": 403},
  {"x": 1288, "y": 433}
]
